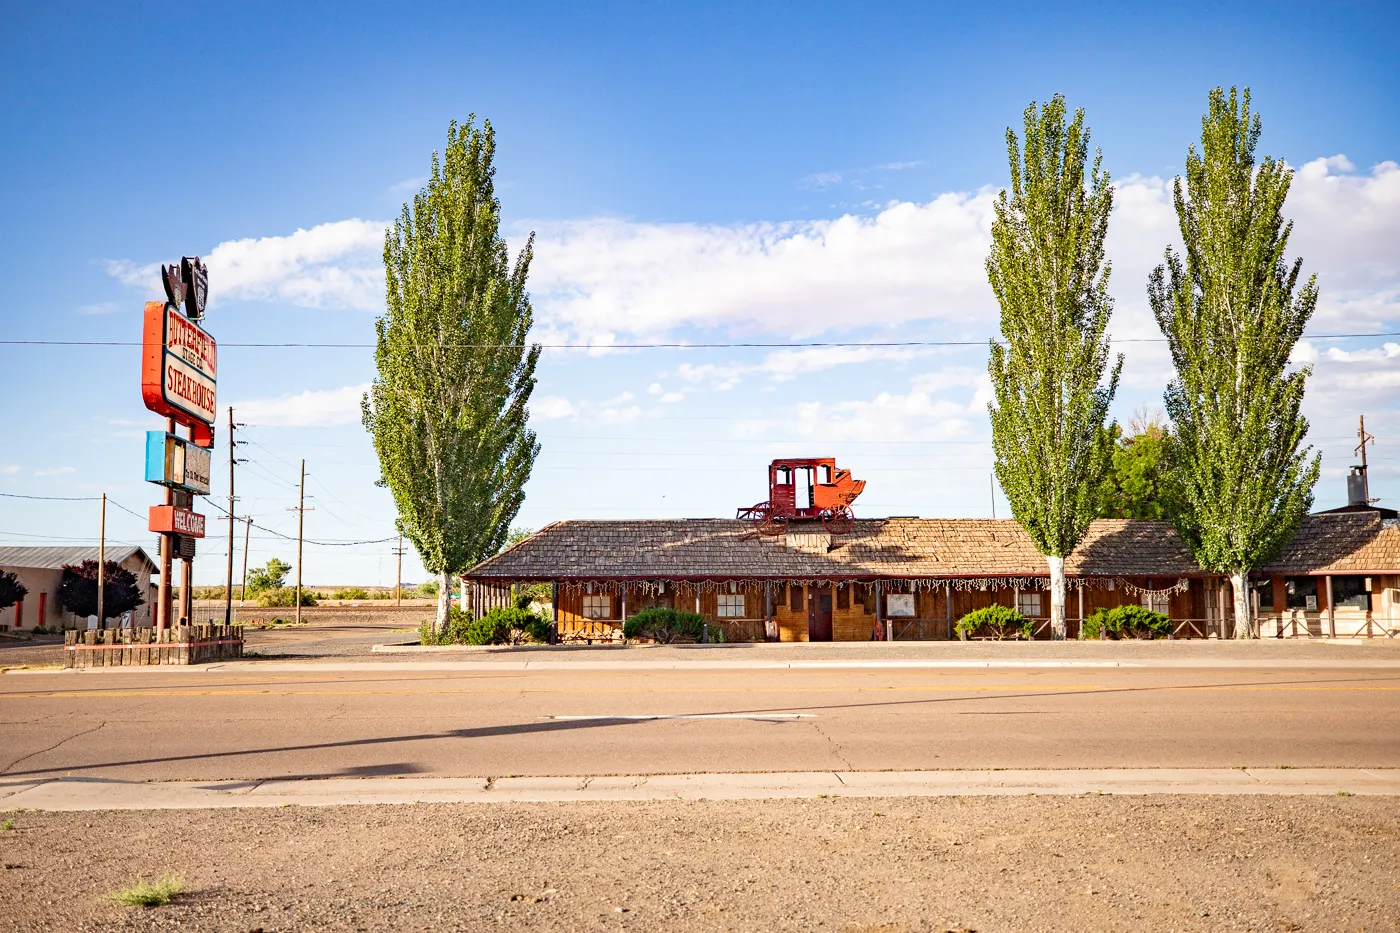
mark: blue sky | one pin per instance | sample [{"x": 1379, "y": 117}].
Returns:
[{"x": 695, "y": 172}]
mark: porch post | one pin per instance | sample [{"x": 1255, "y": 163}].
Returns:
[
  {"x": 1331, "y": 610},
  {"x": 879, "y": 607},
  {"x": 1081, "y": 608},
  {"x": 948, "y": 605},
  {"x": 767, "y": 607}
]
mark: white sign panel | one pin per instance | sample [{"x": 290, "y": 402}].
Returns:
[{"x": 899, "y": 604}]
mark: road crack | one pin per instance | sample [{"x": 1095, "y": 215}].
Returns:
[
  {"x": 76, "y": 735},
  {"x": 835, "y": 746}
]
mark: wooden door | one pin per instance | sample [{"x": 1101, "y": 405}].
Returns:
[{"x": 819, "y": 614}]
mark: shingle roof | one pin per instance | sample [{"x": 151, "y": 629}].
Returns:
[
  {"x": 53, "y": 558},
  {"x": 888, "y": 547},
  {"x": 1342, "y": 542}
]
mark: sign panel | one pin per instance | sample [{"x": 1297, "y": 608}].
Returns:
[
  {"x": 899, "y": 604},
  {"x": 183, "y": 548},
  {"x": 171, "y": 519},
  {"x": 178, "y": 366},
  {"x": 174, "y": 461}
]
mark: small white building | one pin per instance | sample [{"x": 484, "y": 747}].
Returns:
[{"x": 41, "y": 568}]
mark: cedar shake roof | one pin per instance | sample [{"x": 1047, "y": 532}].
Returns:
[
  {"x": 883, "y": 547},
  {"x": 1342, "y": 542}
]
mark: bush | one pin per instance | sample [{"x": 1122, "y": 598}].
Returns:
[
  {"x": 999, "y": 622},
  {"x": 497, "y": 627},
  {"x": 665, "y": 626},
  {"x": 428, "y": 590},
  {"x": 285, "y": 596},
  {"x": 351, "y": 592},
  {"x": 269, "y": 576},
  {"x": 1130, "y": 621}
]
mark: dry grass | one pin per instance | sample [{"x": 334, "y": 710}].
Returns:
[{"x": 150, "y": 893}]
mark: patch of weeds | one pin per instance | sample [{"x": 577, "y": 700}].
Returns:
[
  {"x": 1284, "y": 767},
  {"x": 1343, "y": 793},
  {"x": 150, "y": 893},
  {"x": 7, "y": 826}
]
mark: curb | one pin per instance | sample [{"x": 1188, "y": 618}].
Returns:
[{"x": 90, "y": 794}]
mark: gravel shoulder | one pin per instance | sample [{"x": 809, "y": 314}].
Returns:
[{"x": 855, "y": 866}]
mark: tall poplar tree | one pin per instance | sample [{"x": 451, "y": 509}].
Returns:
[
  {"x": 1231, "y": 313},
  {"x": 1048, "y": 271},
  {"x": 448, "y": 410}
]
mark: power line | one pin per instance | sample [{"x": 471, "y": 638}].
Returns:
[{"x": 753, "y": 345}]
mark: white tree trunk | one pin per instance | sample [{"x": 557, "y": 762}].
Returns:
[
  {"x": 1244, "y": 616},
  {"x": 444, "y": 600},
  {"x": 1059, "y": 628}
]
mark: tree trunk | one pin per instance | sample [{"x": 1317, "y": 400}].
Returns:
[
  {"x": 1244, "y": 617},
  {"x": 444, "y": 600},
  {"x": 1059, "y": 629}
]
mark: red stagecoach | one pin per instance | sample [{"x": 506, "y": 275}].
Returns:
[{"x": 806, "y": 488}]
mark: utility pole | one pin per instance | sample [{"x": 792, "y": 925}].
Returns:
[
  {"x": 301, "y": 517},
  {"x": 101, "y": 566},
  {"x": 992, "y": 485},
  {"x": 228, "y": 577},
  {"x": 398, "y": 575},
  {"x": 1361, "y": 449},
  {"x": 243, "y": 587}
]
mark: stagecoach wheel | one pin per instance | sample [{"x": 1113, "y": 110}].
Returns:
[
  {"x": 839, "y": 521},
  {"x": 769, "y": 524}
]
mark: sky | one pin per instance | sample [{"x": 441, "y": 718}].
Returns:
[{"x": 693, "y": 173}]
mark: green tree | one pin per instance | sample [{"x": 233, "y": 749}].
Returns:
[
  {"x": 270, "y": 576},
  {"x": 11, "y": 591},
  {"x": 1139, "y": 484},
  {"x": 77, "y": 589},
  {"x": 1048, "y": 272},
  {"x": 1231, "y": 313},
  {"x": 448, "y": 409}
]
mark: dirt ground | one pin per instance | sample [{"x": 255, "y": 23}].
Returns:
[{"x": 849, "y": 866}]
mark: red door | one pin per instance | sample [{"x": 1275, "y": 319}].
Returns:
[{"x": 819, "y": 614}]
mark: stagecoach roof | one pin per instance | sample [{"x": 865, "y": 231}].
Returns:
[{"x": 903, "y": 548}]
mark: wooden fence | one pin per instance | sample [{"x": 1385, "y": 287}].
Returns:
[{"x": 125, "y": 647}]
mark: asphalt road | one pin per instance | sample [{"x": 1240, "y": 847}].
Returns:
[{"x": 257, "y": 724}]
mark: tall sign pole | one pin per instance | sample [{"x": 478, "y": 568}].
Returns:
[
  {"x": 178, "y": 373},
  {"x": 247, "y": 533},
  {"x": 101, "y": 565},
  {"x": 228, "y": 577}
]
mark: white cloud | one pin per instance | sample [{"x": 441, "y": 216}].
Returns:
[
  {"x": 908, "y": 263},
  {"x": 55, "y": 471},
  {"x": 314, "y": 408},
  {"x": 332, "y": 265},
  {"x": 670, "y": 397},
  {"x": 551, "y": 407},
  {"x": 9, "y": 470}
]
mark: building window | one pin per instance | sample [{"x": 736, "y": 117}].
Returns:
[
  {"x": 1351, "y": 592},
  {"x": 1157, "y": 602},
  {"x": 597, "y": 607},
  {"x": 843, "y": 597},
  {"x": 795, "y": 598},
  {"x": 1028, "y": 604},
  {"x": 1264, "y": 589},
  {"x": 1302, "y": 593},
  {"x": 731, "y": 605}
]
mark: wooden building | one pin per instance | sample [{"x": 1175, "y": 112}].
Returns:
[{"x": 910, "y": 578}]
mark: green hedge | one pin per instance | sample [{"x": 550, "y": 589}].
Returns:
[
  {"x": 665, "y": 626},
  {"x": 999, "y": 622},
  {"x": 1130, "y": 621},
  {"x": 285, "y": 596},
  {"x": 497, "y": 627}
]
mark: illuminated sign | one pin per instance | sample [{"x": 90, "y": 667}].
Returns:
[
  {"x": 171, "y": 519},
  {"x": 174, "y": 461},
  {"x": 178, "y": 366}
]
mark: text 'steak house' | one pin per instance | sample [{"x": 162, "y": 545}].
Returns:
[{"x": 913, "y": 578}]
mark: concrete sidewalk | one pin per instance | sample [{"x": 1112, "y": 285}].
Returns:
[
  {"x": 476, "y": 665},
  {"x": 97, "y": 794}
]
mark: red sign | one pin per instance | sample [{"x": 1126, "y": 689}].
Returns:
[
  {"x": 171, "y": 519},
  {"x": 178, "y": 366}
]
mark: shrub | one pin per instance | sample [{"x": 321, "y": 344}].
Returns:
[
  {"x": 269, "y": 576},
  {"x": 351, "y": 592},
  {"x": 665, "y": 626},
  {"x": 285, "y": 596},
  {"x": 1130, "y": 621},
  {"x": 11, "y": 590},
  {"x": 77, "y": 589},
  {"x": 999, "y": 622},
  {"x": 428, "y": 590},
  {"x": 497, "y": 627}
]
